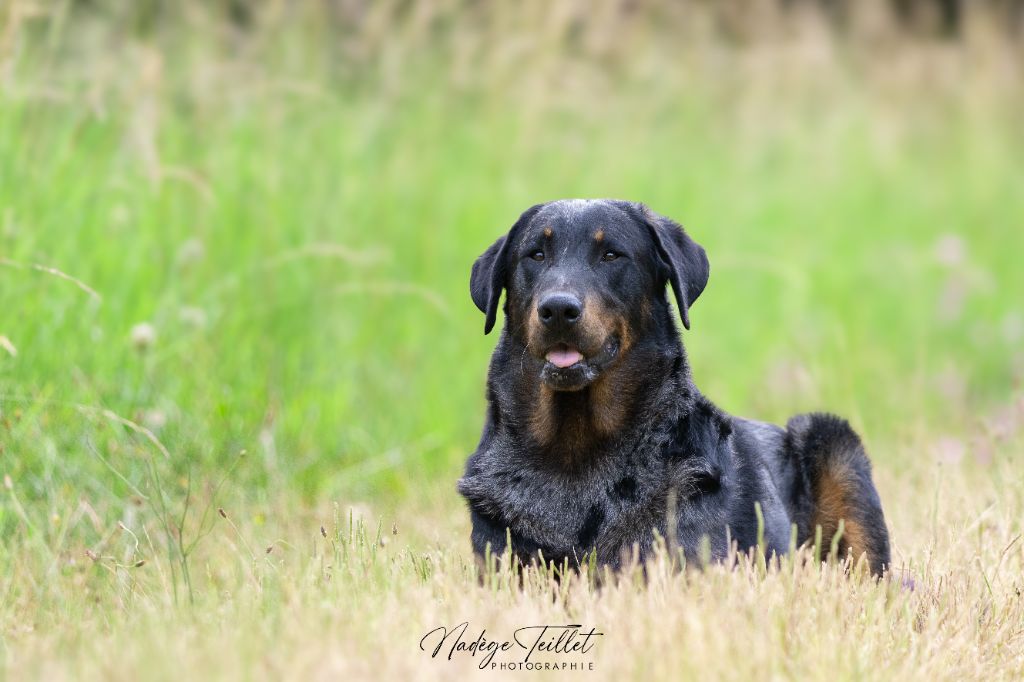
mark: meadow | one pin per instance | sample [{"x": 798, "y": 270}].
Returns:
[{"x": 240, "y": 370}]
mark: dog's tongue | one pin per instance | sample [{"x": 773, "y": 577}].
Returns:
[{"x": 564, "y": 356}]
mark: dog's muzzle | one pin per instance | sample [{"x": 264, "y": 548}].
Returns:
[{"x": 567, "y": 369}]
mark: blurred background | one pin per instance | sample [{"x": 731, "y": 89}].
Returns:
[{"x": 237, "y": 227}]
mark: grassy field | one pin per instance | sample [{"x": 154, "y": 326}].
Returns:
[{"x": 240, "y": 370}]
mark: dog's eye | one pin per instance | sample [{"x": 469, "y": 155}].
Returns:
[
  {"x": 537, "y": 256},
  {"x": 609, "y": 256}
]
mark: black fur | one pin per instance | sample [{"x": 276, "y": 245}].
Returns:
[{"x": 592, "y": 457}]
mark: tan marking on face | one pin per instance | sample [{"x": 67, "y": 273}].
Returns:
[
  {"x": 548, "y": 232},
  {"x": 599, "y": 236},
  {"x": 615, "y": 391},
  {"x": 597, "y": 324},
  {"x": 609, "y": 396},
  {"x": 625, "y": 338},
  {"x": 612, "y": 393},
  {"x": 534, "y": 329}
]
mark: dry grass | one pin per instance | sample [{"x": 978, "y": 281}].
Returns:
[{"x": 284, "y": 597}]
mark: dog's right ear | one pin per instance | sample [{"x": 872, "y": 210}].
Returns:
[
  {"x": 490, "y": 271},
  {"x": 486, "y": 280}
]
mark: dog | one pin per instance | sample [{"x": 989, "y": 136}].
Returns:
[{"x": 596, "y": 440}]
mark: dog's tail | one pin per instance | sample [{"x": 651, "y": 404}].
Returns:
[{"x": 835, "y": 488}]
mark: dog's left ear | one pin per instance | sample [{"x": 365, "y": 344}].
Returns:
[
  {"x": 490, "y": 271},
  {"x": 686, "y": 261}
]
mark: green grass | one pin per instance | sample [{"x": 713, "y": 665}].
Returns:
[{"x": 297, "y": 224}]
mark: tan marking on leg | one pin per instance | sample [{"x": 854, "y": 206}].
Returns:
[
  {"x": 853, "y": 541},
  {"x": 834, "y": 500},
  {"x": 828, "y": 507}
]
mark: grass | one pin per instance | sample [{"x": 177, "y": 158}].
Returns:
[{"x": 233, "y": 276}]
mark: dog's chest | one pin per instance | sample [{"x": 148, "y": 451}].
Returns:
[
  {"x": 576, "y": 514},
  {"x": 609, "y": 506}
]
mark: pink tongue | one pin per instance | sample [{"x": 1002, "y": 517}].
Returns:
[{"x": 564, "y": 358}]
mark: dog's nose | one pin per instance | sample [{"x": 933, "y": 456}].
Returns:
[{"x": 559, "y": 310}]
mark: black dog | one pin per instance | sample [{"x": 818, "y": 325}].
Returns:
[{"x": 595, "y": 430}]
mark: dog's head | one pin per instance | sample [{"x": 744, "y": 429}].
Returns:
[{"x": 581, "y": 278}]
